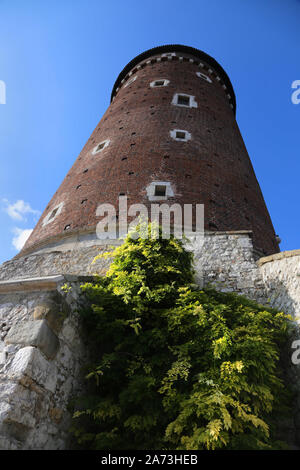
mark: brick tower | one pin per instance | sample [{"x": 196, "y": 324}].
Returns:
[{"x": 169, "y": 135}]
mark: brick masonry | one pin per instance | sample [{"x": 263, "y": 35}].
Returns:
[
  {"x": 212, "y": 168},
  {"x": 41, "y": 344}
]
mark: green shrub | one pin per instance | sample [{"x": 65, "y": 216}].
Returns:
[{"x": 176, "y": 367}]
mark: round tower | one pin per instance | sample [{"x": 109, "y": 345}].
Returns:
[{"x": 169, "y": 136}]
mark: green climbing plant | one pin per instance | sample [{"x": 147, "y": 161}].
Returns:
[{"x": 174, "y": 366}]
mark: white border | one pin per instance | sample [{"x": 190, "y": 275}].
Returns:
[
  {"x": 151, "y": 191},
  {"x": 105, "y": 142},
  {"x": 47, "y": 220},
  {"x": 166, "y": 83},
  {"x": 188, "y": 136},
  {"x": 193, "y": 103}
]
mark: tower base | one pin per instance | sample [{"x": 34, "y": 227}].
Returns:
[{"x": 42, "y": 348}]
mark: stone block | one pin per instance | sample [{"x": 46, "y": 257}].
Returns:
[
  {"x": 34, "y": 333},
  {"x": 31, "y": 363},
  {"x": 245, "y": 242},
  {"x": 56, "y": 415},
  {"x": 2, "y": 357},
  {"x": 8, "y": 443},
  {"x": 50, "y": 312},
  {"x": 4, "y": 410}
]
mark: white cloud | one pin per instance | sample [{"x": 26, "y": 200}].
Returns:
[
  {"x": 19, "y": 209},
  {"x": 21, "y": 235}
]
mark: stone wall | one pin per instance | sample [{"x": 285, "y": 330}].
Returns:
[
  {"x": 281, "y": 277},
  {"x": 78, "y": 262},
  {"x": 223, "y": 259},
  {"x": 227, "y": 262},
  {"x": 42, "y": 348},
  {"x": 41, "y": 355}
]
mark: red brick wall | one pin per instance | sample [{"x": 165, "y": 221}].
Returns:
[{"x": 213, "y": 168}]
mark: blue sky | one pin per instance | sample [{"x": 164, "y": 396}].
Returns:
[{"x": 60, "y": 58}]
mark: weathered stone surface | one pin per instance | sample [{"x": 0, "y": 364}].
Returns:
[
  {"x": 4, "y": 410},
  {"x": 56, "y": 414},
  {"x": 280, "y": 275},
  {"x": 51, "y": 312},
  {"x": 57, "y": 262},
  {"x": 9, "y": 443},
  {"x": 34, "y": 333},
  {"x": 35, "y": 388},
  {"x": 278, "y": 256},
  {"x": 31, "y": 384},
  {"x": 30, "y": 362}
]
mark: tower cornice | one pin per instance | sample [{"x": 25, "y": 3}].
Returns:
[{"x": 177, "y": 48}]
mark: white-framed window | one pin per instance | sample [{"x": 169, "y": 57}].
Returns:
[
  {"x": 130, "y": 80},
  {"x": 169, "y": 54},
  {"x": 159, "y": 191},
  {"x": 53, "y": 214},
  {"x": 180, "y": 135},
  {"x": 205, "y": 77},
  {"x": 160, "y": 82},
  {"x": 101, "y": 146},
  {"x": 184, "y": 100}
]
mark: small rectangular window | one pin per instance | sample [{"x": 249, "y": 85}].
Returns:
[
  {"x": 184, "y": 100},
  {"x": 53, "y": 213},
  {"x": 160, "y": 190},
  {"x": 100, "y": 146},
  {"x": 180, "y": 135},
  {"x": 169, "y": 54},
  {"x": 160, "y": 82}
]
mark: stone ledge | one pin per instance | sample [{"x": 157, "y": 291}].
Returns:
[
  {"x": 231, "y": 232},
  {"x": 32, "y": 284},
  {"x": 74, "y": 237},
  {"x": 278, "y": 256},
  {"x": 46, "y": 283},
  {"x": 74, "y": 234}
]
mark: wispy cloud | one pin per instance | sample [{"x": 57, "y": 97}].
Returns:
[
  {"x": 21, "y": 236},
  {"x": 18, "y": 210}
]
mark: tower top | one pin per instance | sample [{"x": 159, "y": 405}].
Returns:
[
  {"x": 177, "y": 48},
  {"x": 168, "y": 137}
]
